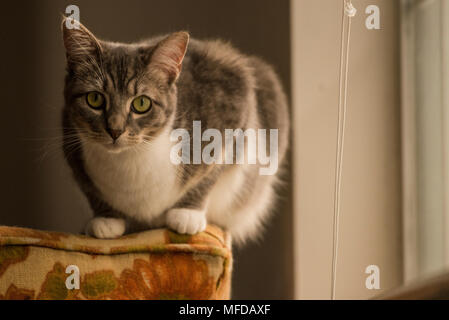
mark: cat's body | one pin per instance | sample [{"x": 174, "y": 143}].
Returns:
[{"x": 137, "y": 186}]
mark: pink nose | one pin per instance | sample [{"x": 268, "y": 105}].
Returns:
[{"x": 115, "y": 133}]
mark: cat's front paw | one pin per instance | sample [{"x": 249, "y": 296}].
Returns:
[
  {"x": 105, "y": 228},
  {"x": 186, "y": 221}
]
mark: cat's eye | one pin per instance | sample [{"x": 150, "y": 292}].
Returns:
[
  {"x": 95, "y": 100},
  {"x": 141, "y": 104}
]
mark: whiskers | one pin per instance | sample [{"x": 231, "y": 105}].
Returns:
[
  {"x": 146, "y": 142},
  {"x": 69, "y": 141},
  {"x": 65, "y": 143}
]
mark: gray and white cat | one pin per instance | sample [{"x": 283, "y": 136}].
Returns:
[{"x": 122, "y": 102}]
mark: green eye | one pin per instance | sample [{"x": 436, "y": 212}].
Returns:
[
  {"x": 141, "y": 104},
  {"x": 95, "y": 99}
]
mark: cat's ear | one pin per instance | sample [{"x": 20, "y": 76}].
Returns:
[
  {"x": 80, "y": 44},
  {"x": 169, "y": 53}
]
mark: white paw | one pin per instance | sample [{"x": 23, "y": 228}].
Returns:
[
  {"x": 105, "y": 228},
  {"x": 188, "y": 221}
]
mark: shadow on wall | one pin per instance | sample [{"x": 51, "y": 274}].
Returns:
[{"x": 36, "y": 186}]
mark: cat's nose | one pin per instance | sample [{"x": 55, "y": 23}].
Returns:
[{"x": 115, "y": 133}]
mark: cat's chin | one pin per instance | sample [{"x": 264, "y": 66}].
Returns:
[
  {"x": 115, "y": 147},
  {"x": 115, "y": 150},
  {"x": 110, "y": 147}
]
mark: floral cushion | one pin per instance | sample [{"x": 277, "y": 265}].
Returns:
[{"x": 155, "y": 264}]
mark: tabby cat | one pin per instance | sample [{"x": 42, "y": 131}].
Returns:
[{"x": 122, "y": 103}]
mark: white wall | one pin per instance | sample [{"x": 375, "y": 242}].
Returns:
[{"x": 370, "y": 225}]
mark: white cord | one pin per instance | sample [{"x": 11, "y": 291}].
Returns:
[{"x": 348, "y": 12}]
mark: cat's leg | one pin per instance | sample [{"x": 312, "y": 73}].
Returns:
[
  {"x": 188, "y": 216},
  {"x": 106, "y": 227},
  {"x": 186, "y": 220},
  {"x": 107, "y": 223}
]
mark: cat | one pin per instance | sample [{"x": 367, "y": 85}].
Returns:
[{"x": 122, "y": 101}]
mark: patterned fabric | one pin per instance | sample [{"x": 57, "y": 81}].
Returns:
[{"x": 155, "y": 264}]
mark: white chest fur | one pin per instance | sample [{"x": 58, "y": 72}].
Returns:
[{"x": 140, "y": 182}]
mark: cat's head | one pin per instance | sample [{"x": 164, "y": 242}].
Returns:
[{"x": 121, "y": 95}]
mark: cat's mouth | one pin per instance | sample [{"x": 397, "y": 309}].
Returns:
[
  {"x": 116, "y": 146},
  {"x": 109, "y": 144}
]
